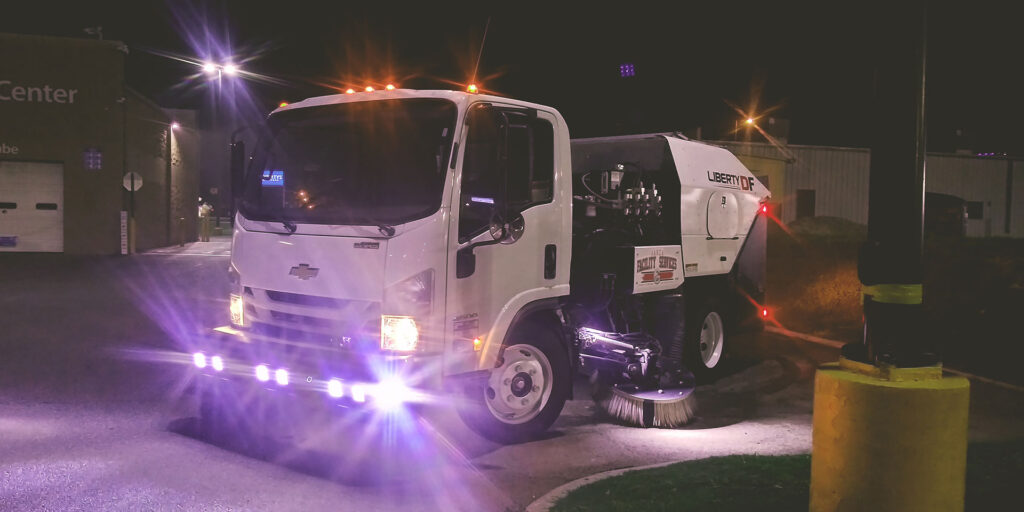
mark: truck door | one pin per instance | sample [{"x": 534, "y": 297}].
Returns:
[{"x": 522, "y": 268}]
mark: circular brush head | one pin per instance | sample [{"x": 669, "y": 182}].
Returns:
[{"x": 668, "y": 407}]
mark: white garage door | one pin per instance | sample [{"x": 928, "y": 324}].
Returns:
[{"x": 31, "y": 207}]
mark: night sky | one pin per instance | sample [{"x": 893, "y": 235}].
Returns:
[{"x": 807, "y": 63}]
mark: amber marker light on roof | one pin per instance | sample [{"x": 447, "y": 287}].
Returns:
[
  {"x": 472, "y": 89},
  {"x": 369, "y": 88},
  {"x": 390, "y": 87},
  {"x": 350, "y": 91}
]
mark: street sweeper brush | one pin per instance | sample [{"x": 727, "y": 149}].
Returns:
[{"x": 666, "y": 407}]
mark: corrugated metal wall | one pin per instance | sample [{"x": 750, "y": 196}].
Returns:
[{"x": 839, "y": 177}]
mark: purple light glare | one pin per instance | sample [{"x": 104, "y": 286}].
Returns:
[
  {"x": 199, "y": 359},
  {"x": 262, "y": 373}
]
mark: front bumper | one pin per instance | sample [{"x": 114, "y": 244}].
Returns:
[{"x": 302, "y": 370}]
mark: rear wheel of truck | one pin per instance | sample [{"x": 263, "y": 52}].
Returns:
[
  {"x": 524, "y": 394},
  {"x": 705, "y": 342}
]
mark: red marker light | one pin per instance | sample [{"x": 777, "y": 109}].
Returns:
[
  {"x": 764, "y": 208},
  {"x": 764, "y": 312}
]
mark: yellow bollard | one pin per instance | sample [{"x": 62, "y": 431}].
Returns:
[{"x": 888, "y": 439}]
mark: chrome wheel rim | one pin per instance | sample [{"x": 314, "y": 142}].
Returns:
[
  {"x": 712, "y": 340},
  {"x": 520, "y": 388}
]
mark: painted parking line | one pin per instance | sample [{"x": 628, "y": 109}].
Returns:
[{"x": 838, "y": 344}]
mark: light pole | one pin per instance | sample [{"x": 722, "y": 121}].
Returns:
[{"x": 219, "y": 70}]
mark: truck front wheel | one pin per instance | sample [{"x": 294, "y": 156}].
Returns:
[{"x": 524, "y": 393}]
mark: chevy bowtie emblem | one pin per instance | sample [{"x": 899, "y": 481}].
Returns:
[{"x": 304, "y": 271}]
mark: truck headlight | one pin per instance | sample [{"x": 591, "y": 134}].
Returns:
[
  {"x": 398, "y": 333},
  {"x": 237, "y": 317}
]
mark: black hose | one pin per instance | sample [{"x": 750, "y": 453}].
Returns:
[{"x": 667, "y": 322}]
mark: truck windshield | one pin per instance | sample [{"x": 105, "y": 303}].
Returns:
[{"x": 364, "y": 163}]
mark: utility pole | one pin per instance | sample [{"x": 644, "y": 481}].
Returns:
[{"x": 889, "y": 431}]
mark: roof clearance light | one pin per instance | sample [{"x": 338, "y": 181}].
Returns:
[
  {"x": 369, "y": 88},
  {"x": 764, "y": 208},
  {"x": 390, "y": 87},
  {"x": 282, "y": 104},
  {"x": 764, "y": 312},
  {"x": 350, "y": 91},
  {"x": 472, "y": 89}
]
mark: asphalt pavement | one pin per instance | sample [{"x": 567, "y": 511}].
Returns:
[{"x": 96, "y": 414}]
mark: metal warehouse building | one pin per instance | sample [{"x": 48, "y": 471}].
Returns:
[
  {"x": 809, "y": 181},
  {"x": 70, "y": 131}
]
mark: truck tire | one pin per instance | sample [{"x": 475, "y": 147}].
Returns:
[
  {"x": 705, "y": 341},
  {"x": 524, "y": 394}
]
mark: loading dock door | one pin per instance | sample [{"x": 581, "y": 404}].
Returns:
[{"x": 31, "y": 207}]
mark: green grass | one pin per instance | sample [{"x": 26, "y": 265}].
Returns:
[{"x": 764, "y": 483}]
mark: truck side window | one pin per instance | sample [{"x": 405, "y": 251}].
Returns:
[
  {"x": 531, "y": 162},
  {"x": 479, "y": 174}
]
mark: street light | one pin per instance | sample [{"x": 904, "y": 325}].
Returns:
[{"x": 228, "y": 68}]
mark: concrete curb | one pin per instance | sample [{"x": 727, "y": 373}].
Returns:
[
  {"x": 548, "y": 500},
  {"x": 764, "y": 374},
  {"x": 545, "y": 502}
]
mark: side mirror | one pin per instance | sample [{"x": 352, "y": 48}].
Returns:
[
  {"x": 237, "y": 170},
  {"x": 508, "y": 232}
]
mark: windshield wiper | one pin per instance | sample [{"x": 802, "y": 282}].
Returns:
[
  {"x": 289, "y": 225},
  {"x": 386, "y": 230}
]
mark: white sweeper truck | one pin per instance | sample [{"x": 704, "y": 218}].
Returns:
[{"x": 408, "y": 248}]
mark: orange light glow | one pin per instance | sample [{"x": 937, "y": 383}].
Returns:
[
  {"x": 472, "y": 89},
  {"x": 283, "y": 104},
  {"x": 478, "y": 343},
  {"x": 350, "y": 91},
  {"x": 750, "y": 120},
  {"x": 369, "y": 88},
  {"x": 764, "y": 312},
  {"x": 390, "y": 87}
]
